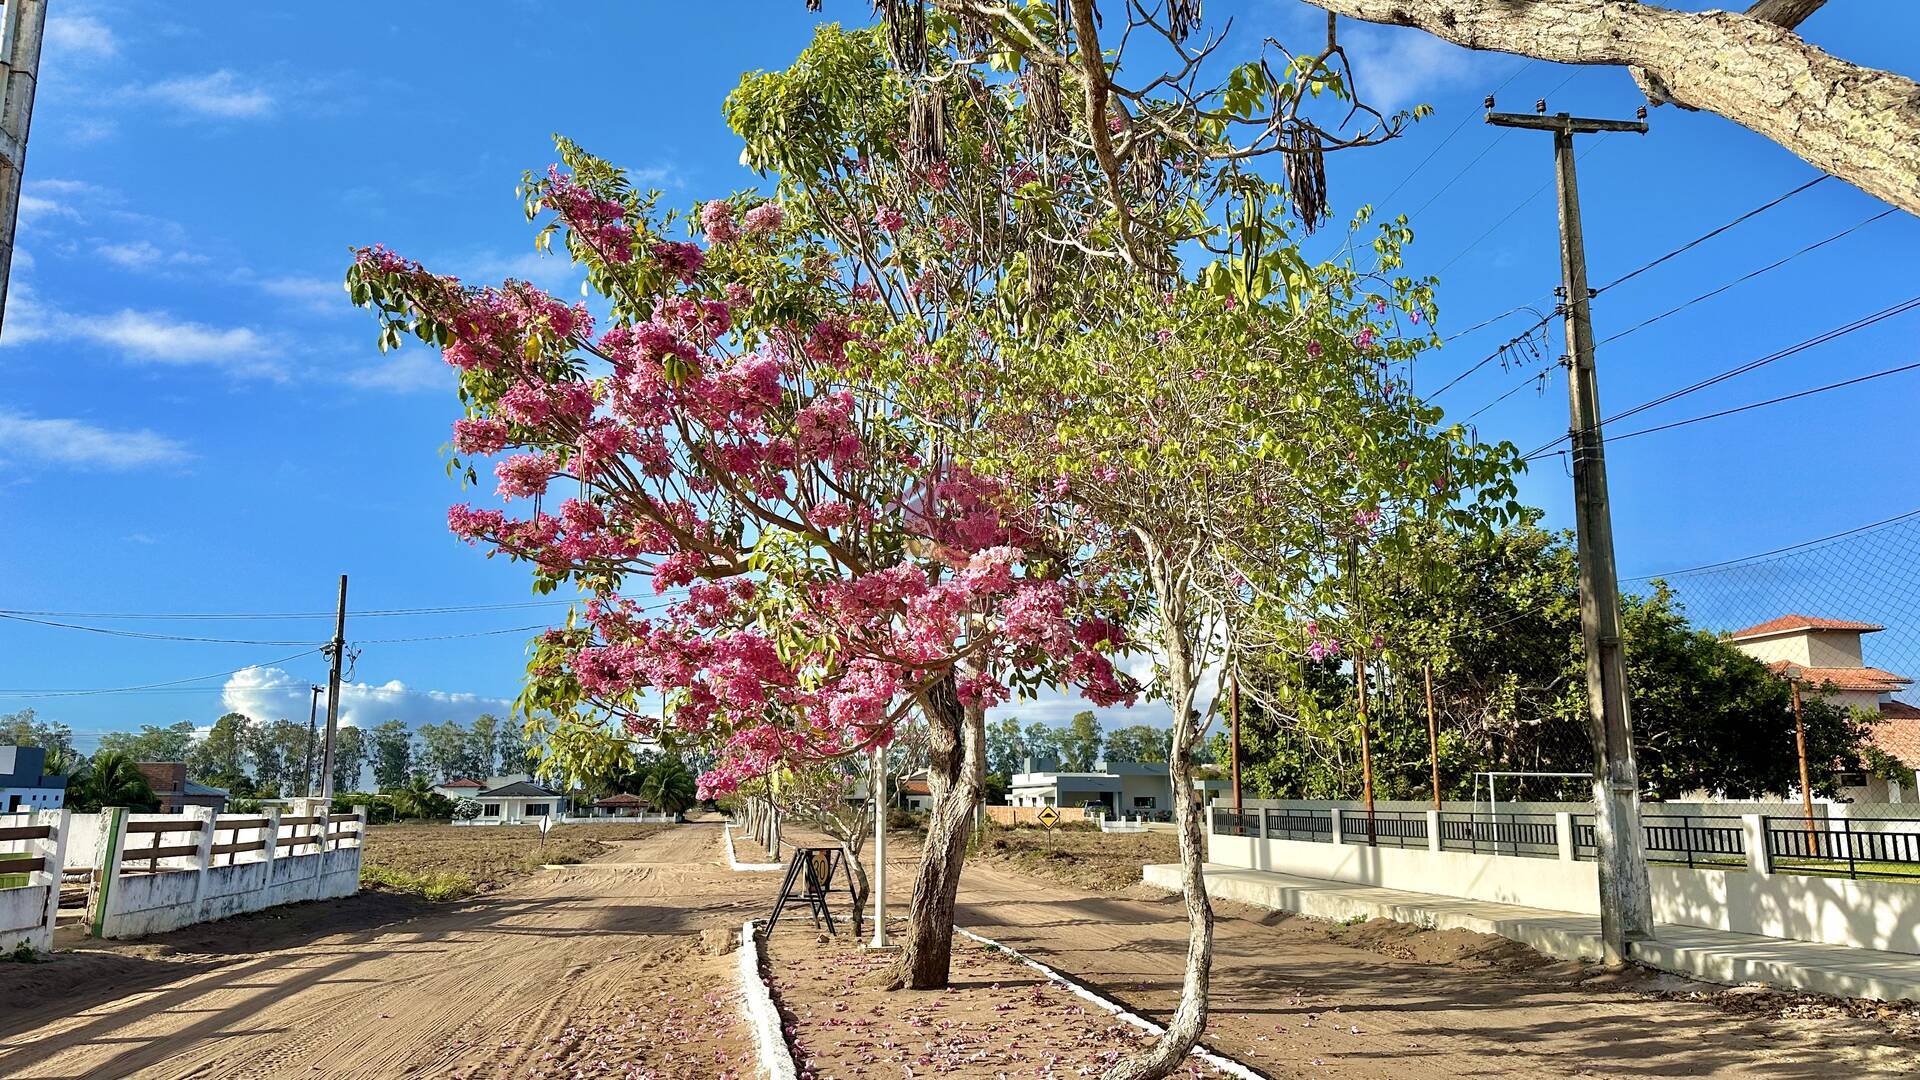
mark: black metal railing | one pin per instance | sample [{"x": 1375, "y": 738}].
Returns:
[
  {"x": 1695, "y": 841},
  {"x": 1228, "y": 823},
  {"x": 1529, "y": 835},
  {"x": 1384, "y": 828},
  {"x": 1313, "y": 825},
  {"x": 1863, "y": 848}
]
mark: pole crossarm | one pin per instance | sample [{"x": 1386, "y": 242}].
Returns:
[{"x": 1564, "y": 123}]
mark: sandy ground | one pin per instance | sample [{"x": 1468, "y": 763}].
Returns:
[
  {"x": 999, "y": 1019},
  {"x": 1301, "y": 998},
  {"x": 596, "y": 969}
]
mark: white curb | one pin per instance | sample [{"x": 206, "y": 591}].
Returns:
[
  {"x": 747, "y": 867},
  {"x": 769, "y": 1036},
  {"x": 1224, "y": 1064}
]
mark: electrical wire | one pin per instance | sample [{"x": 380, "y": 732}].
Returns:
[
  {"x": 1464, "y": 121},
  {"x": 1751, "y": 365},
  {"x": 1494, "y": 355},
  {"x": 1748, "y": 276},
  {"x": 187, "y": 616},
  {"x": 1781, "y": 550},
  {"x": 151, "y": 637},
  {"x": 156, "y": 685},
  {"x": 1521, "y": 205},
  {"x": 1704, "y": 237}
]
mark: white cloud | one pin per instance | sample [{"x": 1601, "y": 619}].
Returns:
[
  {"x": 41, "y": 200},
  {"x": 145, "y": 336},
  {"x": 219, "y": 94},
  {"x": 76, "y": 443},
  {"x": 144, "y": 255},
  {"x": 82, "y": 34},
  {"x": 269, "y": 692},
  {"x": 1397, "y": 69},
  {"x": 323, "y": 295},
  {"x": 407, "y": 371}
]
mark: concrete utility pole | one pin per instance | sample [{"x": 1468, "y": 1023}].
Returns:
[
  {"x": 1626, "y": 904},
  {"x": 26, "y": 22},
  {"x": 313, "y": 711},
  {"x": 336, "y": 649}
]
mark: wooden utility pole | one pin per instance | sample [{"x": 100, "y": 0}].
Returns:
[
  {"x": 313, "y": 711},
  {"x": 26, "y": 22},
  {"x": 1626, "y": 904},
  {"x": 1800, "y": 744},
  {"x": 337, "y": 649},
  {"x": 1233, "y": 706},
  {"x": 1433, "y": 735},
  {"x": 1366, "y": 738}
]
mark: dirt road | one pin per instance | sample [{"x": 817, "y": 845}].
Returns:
[
  {"x": 1292, "y": 1000},
  {"x": 595, "y": 966}
]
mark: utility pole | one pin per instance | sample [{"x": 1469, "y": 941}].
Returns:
[
  {"x": 1626, "y": 904},
  {"x": 313, "y": 710},
  {"x": 1233, "y": 700},
  {"x": 26, "y": 22},
  {"x": 335, "y": 649},
  {"x": 1800, "y": 743}
]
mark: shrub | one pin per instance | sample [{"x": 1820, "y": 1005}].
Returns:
[{"x": 437, "y": 886}]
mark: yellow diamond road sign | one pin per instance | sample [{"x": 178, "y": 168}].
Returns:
[{"x": 1048, "y": 817}]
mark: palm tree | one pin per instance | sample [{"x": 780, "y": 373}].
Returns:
[
  {"x": 668, "y": 786},
  {"x": 110, "y": 779}
]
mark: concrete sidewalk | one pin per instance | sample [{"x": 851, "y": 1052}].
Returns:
[{"x": 1712, "y": 955}]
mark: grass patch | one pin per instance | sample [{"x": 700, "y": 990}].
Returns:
[
  {"x": 437, "y": 886},
  {"x": 22, "y": 953}
]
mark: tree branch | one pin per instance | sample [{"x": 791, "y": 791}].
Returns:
[{"x": 1858, "y": 123}]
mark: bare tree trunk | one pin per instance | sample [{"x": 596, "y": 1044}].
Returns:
[
  {"x": 955, "y": 775},
  {"x": 1858, "y": 123},
  {"x": 1190, "y": 1017}
]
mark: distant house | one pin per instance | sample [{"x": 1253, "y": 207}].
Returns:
[
  {"x": 1121, "y": 788},
  {"x": 25, "y": 783},
  {"x": 1825, "y": 657},
  {"x": 460, "y": 788},
  {"x": 620, "y": 804},
  {"x": 914, "y": 791},
  {"x": 170, "y": 785},
  {"x": 516, "y": 800}
]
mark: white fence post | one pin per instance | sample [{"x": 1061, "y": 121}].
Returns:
[
  {"x": 1339, "y": 825},
  {"x": 1759, "y": 859},
  {"x": 110, "y": 848},
  {"x": 270, "y": 834},
  {"x": 54, "y": 850},
  {"x": 1563, "y": 832},
  {"x": 202, "y": 859},
  {"x": 1433, "y": 830}
]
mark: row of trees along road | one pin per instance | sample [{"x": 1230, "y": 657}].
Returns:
[
  {"x": 929, "y": 426},
  {"x": 1500, "y": 635}
]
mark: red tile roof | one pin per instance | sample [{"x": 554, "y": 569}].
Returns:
[
  {"x": 915, "y": 787},
  {"x": 1843, "y": 678},
  {"x": 463, "y": 782},
  {"x": 1787, "y": 624},
  {"x": 1898, "y": 732},
  {"x": 621, "y": 799}
]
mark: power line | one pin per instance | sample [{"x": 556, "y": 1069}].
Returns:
[
  {"x": 1882, "y": 523},
  {"x": 156, "y": 685},
  {"x": 1521, "y": 205},
  {"x": 1704, "y": 237},
  {"x": 191, "y": 616},
  {"x": 149, "y": 637},
  {"x": 1791, "y": 350},
  {"x": 1464, "y": 121},
  {"x": 1749, "y": 276},
  {"x": 1495, "y": 354},
  {"x": 1753, "y": 405},
  {"x": 1770, "y": 401},
  {"x": 450, "y": 637}
]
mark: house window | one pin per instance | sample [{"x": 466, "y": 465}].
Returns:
[
  {"x": 1145, "y": 802},
  {"x": 491, "y": 809},
  {"x": 536, "y": 810}
]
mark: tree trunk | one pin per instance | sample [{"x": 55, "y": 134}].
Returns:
[
  {"x": 1190, "y": 1017},
  {"x": 1858, "y": 123},
  {"x": 957, "y": 736}
]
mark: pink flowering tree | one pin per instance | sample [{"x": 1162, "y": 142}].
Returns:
[{"x": 779, "y": 562}]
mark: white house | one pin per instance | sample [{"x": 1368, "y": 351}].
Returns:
[
  {"x": 24, "y": 783},
  {"x": 1825, "y": 657},
  {"x": 507, "y": 800},
  {"x": 1121, "y": 788}
]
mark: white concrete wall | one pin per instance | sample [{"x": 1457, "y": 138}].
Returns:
[
  {"x": 207, "y": 888},
  {"x": 1880, "y": 915},
  {"x": 28, "y": 913}
]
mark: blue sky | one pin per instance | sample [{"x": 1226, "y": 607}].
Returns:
[{"x": 193, "y": 420}]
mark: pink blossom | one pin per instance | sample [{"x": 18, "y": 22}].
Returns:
[
  {"x": 765, "y": 219},
  {"x": 525, "y": 475},
  {"x": 681, "y": 261},
  {"x": 716, "y": 220},
  {"x": 889, "y": 219},
  {"x": 479, "y": 436}
]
